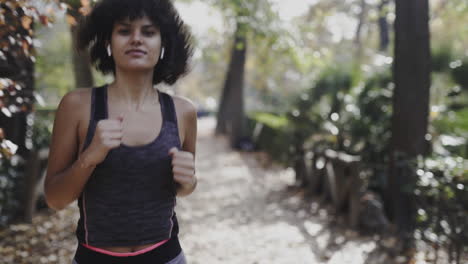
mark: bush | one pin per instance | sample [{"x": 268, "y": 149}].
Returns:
[
  {"x": 441, "y": 58},
  {"x": 368, "y": 128},
  {"x": 460, "y": 73},
  {"x": 11, "y": 181},
  {"x": 442, "y": 199},
  {"x": 12, "y": 171},
  {"x": 273, "y": 136},
  {"x": 42, "y": 129}
]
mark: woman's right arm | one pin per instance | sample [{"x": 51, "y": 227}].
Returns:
[{"x": 66, "y": 173}]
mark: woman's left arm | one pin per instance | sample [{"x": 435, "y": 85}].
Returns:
[{"x": 183, "y": 161}]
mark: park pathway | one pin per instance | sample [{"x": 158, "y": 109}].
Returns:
[{"x": 241, "y": 212}]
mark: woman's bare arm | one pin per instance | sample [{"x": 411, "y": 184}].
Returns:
[
  {"x": 189, "y": 114},
  {"x": 66, "y": 174},
  {"x": 190, "y": 121}
]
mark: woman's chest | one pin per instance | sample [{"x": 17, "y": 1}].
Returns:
[{"x": 139, "y": 129}]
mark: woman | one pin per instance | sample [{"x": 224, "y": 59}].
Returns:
[{"x": 105, "y": 151}]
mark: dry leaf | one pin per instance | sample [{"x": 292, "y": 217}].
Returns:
[{"x": 26, "y": 22}]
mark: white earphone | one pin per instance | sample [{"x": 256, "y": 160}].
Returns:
[{"x": 162, "y": 53}]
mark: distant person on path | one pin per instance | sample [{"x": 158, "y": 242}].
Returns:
[{"x": 125, "y": 150}]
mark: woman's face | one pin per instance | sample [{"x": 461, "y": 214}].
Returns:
[{"x": 135, "y": 45}]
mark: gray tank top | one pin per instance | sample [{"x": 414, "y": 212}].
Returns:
[{"x": 130, "y": 197}]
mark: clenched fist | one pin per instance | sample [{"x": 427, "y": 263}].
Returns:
[
  {"x": 183, "y": 168},
  {"x": 107, "y": 135}
]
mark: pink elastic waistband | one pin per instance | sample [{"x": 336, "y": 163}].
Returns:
[{"x": 141, "y": 251}]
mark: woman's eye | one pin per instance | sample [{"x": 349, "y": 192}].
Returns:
[
  {"x": 149, "y": 33},
  {"x": 124, "y": 31}
]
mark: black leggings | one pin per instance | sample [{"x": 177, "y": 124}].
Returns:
[{"x": 169, "y": 252}]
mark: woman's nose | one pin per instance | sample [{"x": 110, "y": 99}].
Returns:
[{"x": 136, "y": 37}]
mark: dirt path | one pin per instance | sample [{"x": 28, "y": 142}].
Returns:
[
  {"x": 243, "y": 213},
  {"x": 240, "y": 213}
]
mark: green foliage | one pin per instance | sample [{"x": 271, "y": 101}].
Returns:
[
  {"x": 451, "y": 132},
  {"x": 441, "y": 58},
  {"x": 271, "y": 120},
  {"x": 367, "y": 126},
  {"x": 254, "y": 16},
  {"x": 449, "y": 122},
  {"x": 54, "y": 75},
  {"x": 442, "y": 198},
  {"x": 308, "y": 122},
  {"x": 75, "y": 4},
  {"x": 460, "y": 73},
  {"x": 274, "y": 137},
  {"x": 331, "y": 81},
  {"x": 453, "y": 123},
  {"x": 42, "y": 128}
]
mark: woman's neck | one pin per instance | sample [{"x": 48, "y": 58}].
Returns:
[{"x": 133, "y": 89}]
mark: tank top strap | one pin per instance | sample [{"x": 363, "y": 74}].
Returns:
[
  {"x": 169, "y": 108},
  {"x": 98, "y": 111},
  {"x": 100, "y": 102}
]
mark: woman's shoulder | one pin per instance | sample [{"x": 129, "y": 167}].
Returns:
[
  {"x": 184, "y": 105},
  {"x": 75, "y": 100},
  {"x": 186, "y": 112},
  {"x": 77, "y": 96}
]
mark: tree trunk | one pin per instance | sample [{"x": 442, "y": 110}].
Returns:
[
  {"x": 410, "y": 106},
  {"x": 360, "y": 25},
  {"x": 221, "y": 120},
  {"x": 80, "y": 60},
  {"x": 383, "y": 25},
  {"x": 81, "y": 64},
  {"x": 230, "y": 117},
  {"x": 32, "y": 177},
  {"x": 235, "y": 113}
]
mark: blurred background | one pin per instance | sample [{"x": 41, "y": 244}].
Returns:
[{"x": 352, "y": 113}]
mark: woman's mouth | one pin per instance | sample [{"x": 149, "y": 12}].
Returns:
[{"x": 135, "y": 52}]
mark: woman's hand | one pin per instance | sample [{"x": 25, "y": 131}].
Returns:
[
  {"x": 183, "y": 168},
  {"x": 108, "y": 135}
]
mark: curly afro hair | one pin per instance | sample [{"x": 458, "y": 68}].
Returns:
[{"x": 95, "y": 30}]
